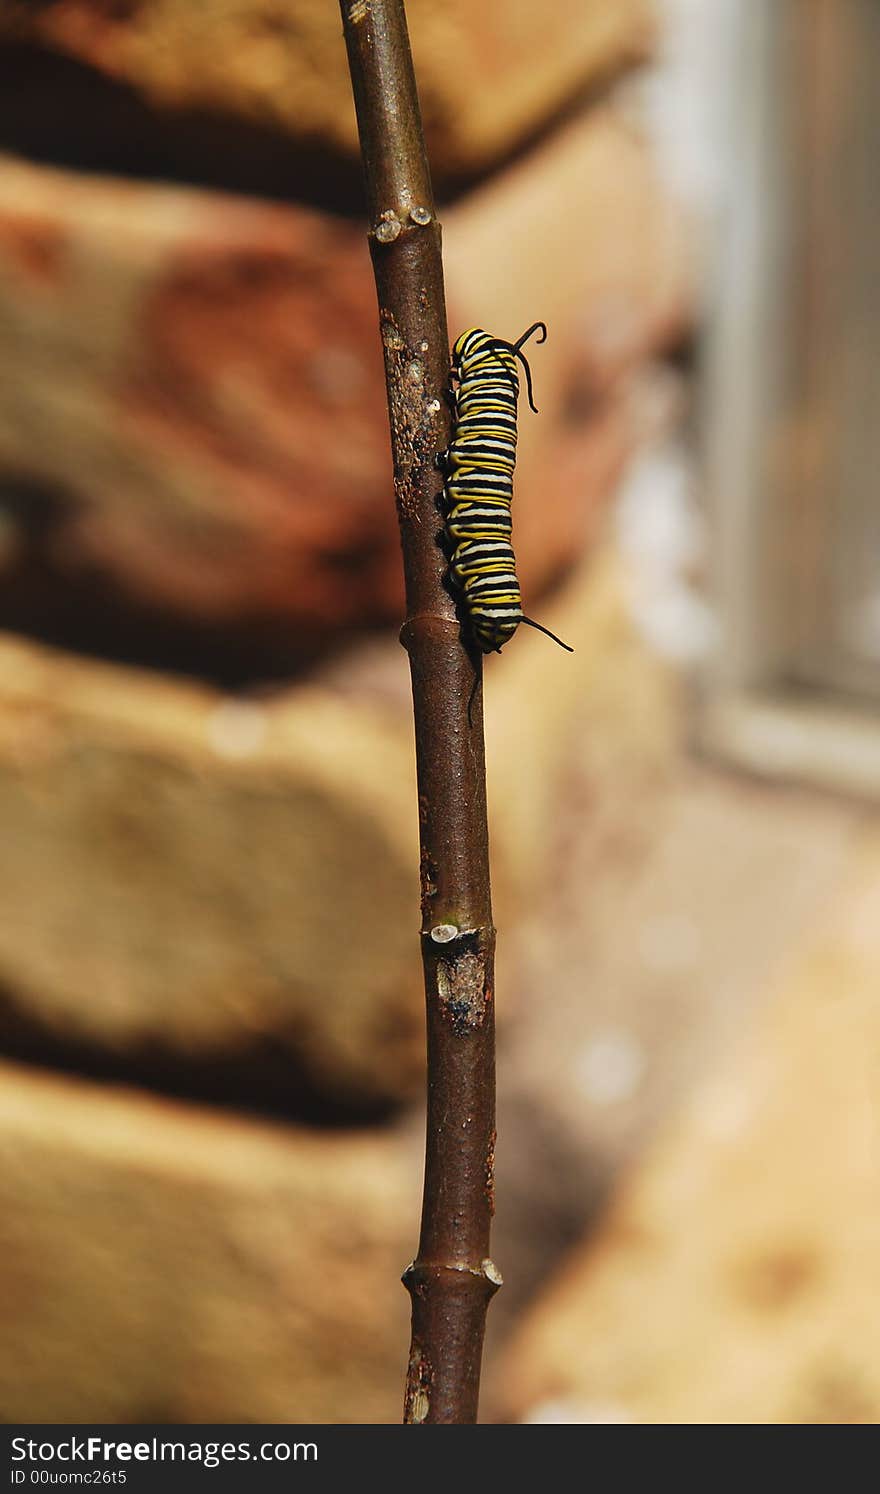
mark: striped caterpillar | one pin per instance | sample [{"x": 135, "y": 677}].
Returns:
[{"x": 479, "y": 484}]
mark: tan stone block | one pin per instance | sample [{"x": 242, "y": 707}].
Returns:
[
  {"x": 215, "y": 881},
  {"x": 734, "y": 1280},
  {"x": 167, "y": 1264},
  {"x": 608, "y": 713},
  {"x": 223, "y": 890},
  {"x": 488, "y": 75}
]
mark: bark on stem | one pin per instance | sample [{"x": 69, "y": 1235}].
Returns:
[{"x": 452, "y": 1278}]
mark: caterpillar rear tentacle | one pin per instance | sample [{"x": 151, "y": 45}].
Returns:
[{"x": 530, "y": 622}]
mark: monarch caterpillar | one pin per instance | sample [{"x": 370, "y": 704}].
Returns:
[{"x": 478, "y": 489}]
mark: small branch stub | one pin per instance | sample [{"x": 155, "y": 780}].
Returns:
[{"x": 492, "y": 1274}]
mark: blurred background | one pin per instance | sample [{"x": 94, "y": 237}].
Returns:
[{"x": 210, "y": 993}]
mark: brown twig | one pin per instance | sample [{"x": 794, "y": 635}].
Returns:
[{"x": 452, "y": 1278}]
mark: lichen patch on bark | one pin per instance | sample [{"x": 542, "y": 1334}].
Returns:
[
  {"x": 411, "y": 414},
  {"x": 418, "y": 1387},
  {"x": 461, "y": 985}
]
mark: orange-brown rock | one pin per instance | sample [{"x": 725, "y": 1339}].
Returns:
[
  {"x": 164, "y": 1263},
  {"x": 488, "y": 75},
  {"x": 193, "y": 381},
  {"x": 192, "y": 417}
]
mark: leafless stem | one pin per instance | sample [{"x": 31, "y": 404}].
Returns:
[{"x": 452, "y": 1278}]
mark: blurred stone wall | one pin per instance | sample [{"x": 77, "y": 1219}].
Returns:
[{"x": 208, "y": 893}]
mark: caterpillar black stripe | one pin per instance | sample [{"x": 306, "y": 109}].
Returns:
[{"x": 479, "y": 484}]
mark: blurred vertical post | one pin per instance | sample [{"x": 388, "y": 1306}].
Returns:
[{"x": 452, "y": 1278}]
